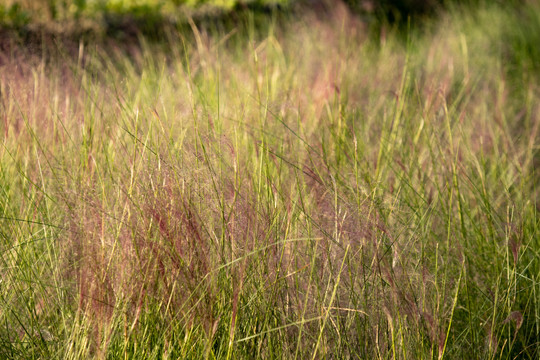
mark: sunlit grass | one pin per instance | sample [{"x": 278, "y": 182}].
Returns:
[{"x": 262, "y": 191}]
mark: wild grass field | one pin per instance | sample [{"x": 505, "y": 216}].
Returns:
[{"x": 281, "y": 187}]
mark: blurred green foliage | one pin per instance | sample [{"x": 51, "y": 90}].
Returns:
[
  {"x": 523, "y": 42},
  {"x": 401, "y": 11},
  {"x": 13, "y": 15},
  {"x": 22, "y": 11},
  {"x": 17, "y": 13}
]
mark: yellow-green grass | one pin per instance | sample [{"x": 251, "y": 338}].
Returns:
[{"x": 296, "y": 191}]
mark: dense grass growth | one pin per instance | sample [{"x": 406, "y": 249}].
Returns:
[{"x": 297, "y": 191}]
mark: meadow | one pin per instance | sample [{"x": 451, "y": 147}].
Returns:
[{"x": 293, "y": 185}]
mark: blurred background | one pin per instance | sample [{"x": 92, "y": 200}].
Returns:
[{"x": 17, "y": 13}]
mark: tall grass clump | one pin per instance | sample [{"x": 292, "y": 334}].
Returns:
[{"x": 287, "y": 188}]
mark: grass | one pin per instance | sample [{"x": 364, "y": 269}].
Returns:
[{"x": 275, "y": 189}]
